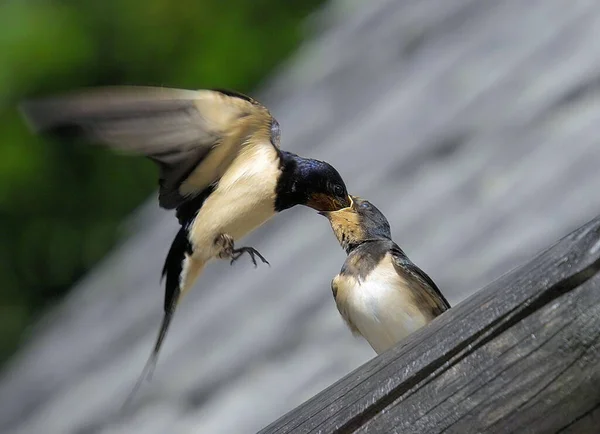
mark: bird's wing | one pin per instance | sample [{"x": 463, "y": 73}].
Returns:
[
  {"x": 185, "y": 132},
  {"x": 404, "y": 266}
]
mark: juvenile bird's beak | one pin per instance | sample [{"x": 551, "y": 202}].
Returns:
[{"x": 353, "y": 200}]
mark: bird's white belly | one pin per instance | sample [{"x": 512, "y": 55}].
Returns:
[
  {"x": 243, "y": 200},
  {"x": 383, "y": 313}
]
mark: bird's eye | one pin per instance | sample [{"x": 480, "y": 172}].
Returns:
[
  {"x": 365, "y": 205},
  {"x": 338, "y": 190}
]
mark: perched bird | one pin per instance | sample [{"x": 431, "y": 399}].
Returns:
[
  {"x": 220, "y": 163},
  {"x": 379, "y": 292}
]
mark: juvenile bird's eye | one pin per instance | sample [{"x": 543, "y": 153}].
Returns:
[{"x": 365, "y": 205}]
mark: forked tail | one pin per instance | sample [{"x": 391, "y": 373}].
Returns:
[
  {"x": 151, "y": 363},
  {"x": 180, "y": 271}
]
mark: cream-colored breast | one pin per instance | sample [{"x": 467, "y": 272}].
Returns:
[
  {"x": 381, "y": 307},
  {"x": 243, "y": 200}
]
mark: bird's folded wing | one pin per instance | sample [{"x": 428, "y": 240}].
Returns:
[
  {"x": 434, "y": 297},
  {"x": 176, "y": 128}
]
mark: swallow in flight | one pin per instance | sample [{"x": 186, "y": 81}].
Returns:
[
  {"x": 381, "y": 295},
  {"x": 220, "y": 167}
]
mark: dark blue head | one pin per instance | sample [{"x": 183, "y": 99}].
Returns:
[{"x": 309, "y": 182}]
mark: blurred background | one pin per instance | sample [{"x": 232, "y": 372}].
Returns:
[
  {"x": 473, "y": 125},
  {"x": 62, "y": 205}
]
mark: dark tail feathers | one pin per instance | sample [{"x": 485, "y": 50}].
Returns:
[
  {"x": 172, "y": 270},
  {"x": 173, "y": 266}
]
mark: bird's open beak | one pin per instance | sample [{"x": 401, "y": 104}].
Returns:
[
  {"x": 345, "y": 206},
  {"x": 345, "y": 203},
  {"x": 324, "y": 203}
]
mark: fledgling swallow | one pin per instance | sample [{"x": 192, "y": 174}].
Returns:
[
  {"x": 220, "y": 165},
  {"x": 381, "y": 295}
]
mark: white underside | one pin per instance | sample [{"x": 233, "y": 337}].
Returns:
[
  {"x": 381, "y": 307},
  {"x": 243, "y": 200}
]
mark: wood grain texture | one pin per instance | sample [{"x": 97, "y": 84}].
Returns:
[{"x": 521, "y": 355}]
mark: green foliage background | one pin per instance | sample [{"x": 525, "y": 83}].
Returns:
[{"x": 60, "y": 204}]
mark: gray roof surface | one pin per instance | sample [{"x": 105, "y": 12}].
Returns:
[{"x": 473, "y": 125}]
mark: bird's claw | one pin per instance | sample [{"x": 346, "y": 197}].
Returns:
[
  {"x": 226, "y": 248},
  {"x": 237, "y": 253}
]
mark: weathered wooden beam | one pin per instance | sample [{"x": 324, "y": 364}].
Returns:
[{"x": 521, "y": 355}]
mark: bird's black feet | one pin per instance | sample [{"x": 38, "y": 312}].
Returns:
[
  {"x": 228, "y": 250},
  {"x": 251, "y": 251}
]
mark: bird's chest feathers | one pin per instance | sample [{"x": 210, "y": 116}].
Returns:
[
  {"x": 367, "y": 295},
  {"x": 380, "y": 306},
  {"x": 243, "y": 200}
]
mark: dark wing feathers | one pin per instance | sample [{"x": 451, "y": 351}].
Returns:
[
  {"x": 174, "y": 169},
  {"x": 235, "y": 94},
  {"x": 436, "y": 299},
  {"x": 176, "y": 128},
  {"x": 136, "y": 120}
]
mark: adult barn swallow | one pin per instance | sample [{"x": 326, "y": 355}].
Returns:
[
  {"x": 220, "y": 167},
  {"x": 379, "y": 292}
]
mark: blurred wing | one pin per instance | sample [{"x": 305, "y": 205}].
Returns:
[
  {"x": 433, "y": 296},
  {"x": 180, "y": 130}
]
